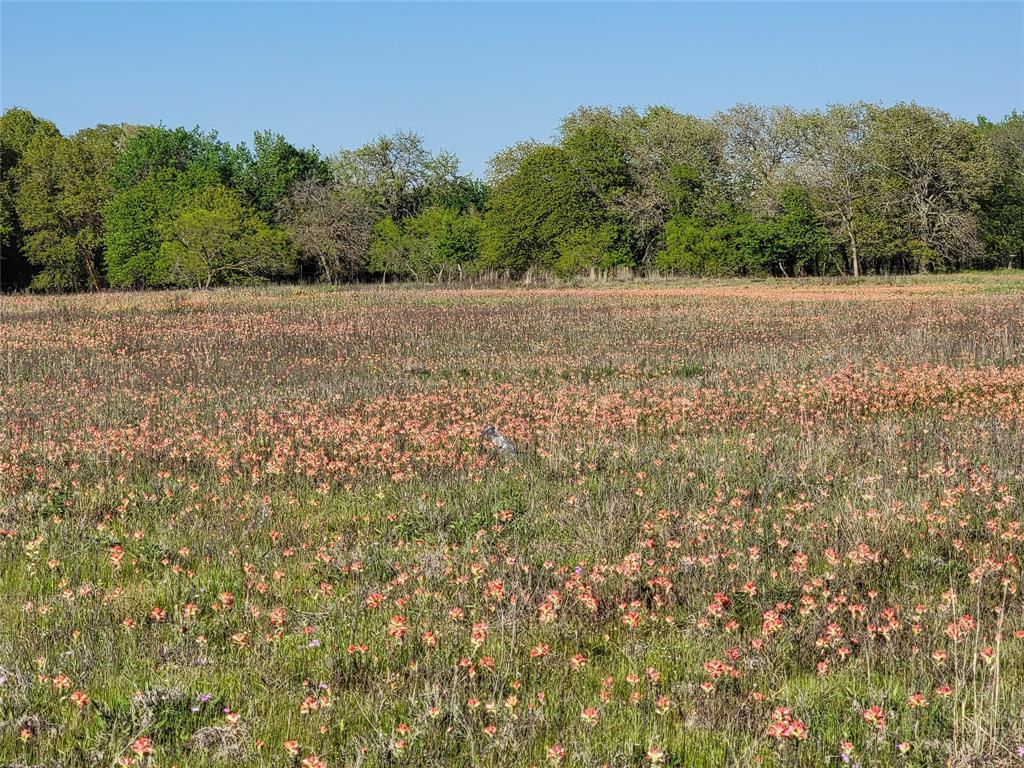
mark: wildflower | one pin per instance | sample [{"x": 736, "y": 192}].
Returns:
[
  {"x": 916, "y": 700},
  {"x": 478, "y": 634},
  {"x": 556, "y": 754},
  {"x": 397, "y": 627},
  {"x": 875, "y": 715}
]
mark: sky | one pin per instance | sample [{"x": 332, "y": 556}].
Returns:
[{"x": 476, "y": 77}]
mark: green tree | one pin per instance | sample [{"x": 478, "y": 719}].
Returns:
[
  {"x": 794, "y": 241},
  {"x": 929, "y": 174},
  {"x": 388, "y": 252},
  {"x": 151, "y": 150},
  {"x": 158, "y": 169},
  {"x": 729, "y": 242},
  {"x": 273, "y": 167},
  {"x": 17, "y": 129},
  {"x": 1002, "y": 208},
  {"x": 63, "y": 190},
  {"x": 436, "y": 243},
  {"x": 532, "y": 209},
  {"x": 594, "y": 248},
  {"x": 135, "y": 221},
  {"x": 441, "y": 241},
  {"x": 215, "y": 238}
]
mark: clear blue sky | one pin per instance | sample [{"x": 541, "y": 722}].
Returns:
[{"x": 474, "y": 78}]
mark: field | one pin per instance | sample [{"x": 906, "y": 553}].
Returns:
[{"x": 774, "y": 523}]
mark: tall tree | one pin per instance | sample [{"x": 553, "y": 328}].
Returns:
[
  {"x": 675, "y": 165},
  {"x": 834, "y": 165},
  {"x": 930, "y": 173},
  {"x": 274, "y": 167},
  {"x": 401, "y": 176},
  {"x": 158, "y": 169},
  {"x": 332, "y": 226},
  {"x": 1002, "y": 208},
  {"x": 17, "y": 129},
  {"x": 63, "y": 190},
  {"x": 533, "y": 208},
  {"x": 760, "y": 147},
  {"x": 215, "y": 238}
]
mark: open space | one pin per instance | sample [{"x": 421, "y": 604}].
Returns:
[{"x": 771, "y": 522}]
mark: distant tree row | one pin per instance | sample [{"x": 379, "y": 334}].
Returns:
[{"x": 853, "y": 189}]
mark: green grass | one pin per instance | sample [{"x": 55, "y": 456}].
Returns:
[{"x": 283, "y": 473}]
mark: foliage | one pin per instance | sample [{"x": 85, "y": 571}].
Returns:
[
  {"x": 852, "y": 189},
  {"x": 64, "y": 187},
  {"x": 932, "y": 172},
  {"x": 332, "y": 226},
  {"x": 158, "y": 170},
  {"x": 546, "y": 199},
  {"x": 214, "y": 238},
  {"x": 273, "y": 168},
  {"x": 17, "y": 129},
  {"x": 437, "y": 243},
  {"x": 1003, "y": 206}
]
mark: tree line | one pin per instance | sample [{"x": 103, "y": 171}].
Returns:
[{"x": 853, "y": 189}]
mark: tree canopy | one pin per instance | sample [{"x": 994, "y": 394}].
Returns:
[{"x": 851, "y": 189}]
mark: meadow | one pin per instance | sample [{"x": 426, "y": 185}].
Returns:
[{"x": 774, "y": 523}]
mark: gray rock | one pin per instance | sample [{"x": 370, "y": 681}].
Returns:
[{"x": 502, "y": 444}]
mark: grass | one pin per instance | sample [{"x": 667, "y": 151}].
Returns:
[{"x": 774, "y": 523}]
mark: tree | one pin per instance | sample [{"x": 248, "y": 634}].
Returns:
[
  {"x": 929, "y": 174},
  {"x": 1002, "y": 208},
  {"x": 64, "y": 188},
  {"x": 597, "y": 145},
  {"x": 332, "y": 226},
  {"x": 675, "y": 164},
  {"x": 435, "y": 243},
  {"x": 794, "y": 241},
  {"x": 388, "y": 253},
  {"x": 158, "y": 170},
  {"x": 760, "y": 145},
  {"x": 400, "y": 176},
  {"x": 135, "y": 220},
  {"x": 728, "y": 242},
  {"x": 594, "y": 248},
  {"x": 533, "y": 208},
  {"x": 272, "y": 169},
  {"x": 150, "y": 150},
  {"x": 17, "y": 129},
  {"x": 441, "y": 241},
  {"x": 835, "y": 167},
  {"x": 216, "y": 238}
]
